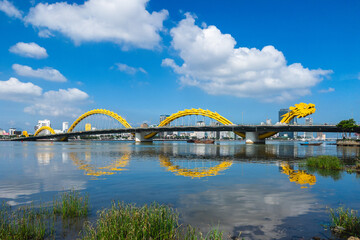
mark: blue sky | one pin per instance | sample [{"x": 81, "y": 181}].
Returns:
[{"x": 142, "y": 59}]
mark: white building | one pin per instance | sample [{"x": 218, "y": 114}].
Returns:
[
  {"x": 12, "y": 131},
  {"x": 43, "y": 123},
  {"x": 200, "y": 135},
  {"x": 65, "y": 126},
  {"x": 309, "y": 122}
]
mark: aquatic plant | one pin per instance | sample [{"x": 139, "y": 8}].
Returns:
[
  {"x": 25, "y": 222},
  {"x": 126, "y": 221},
  {"x": 71, "y": 204},
  {"x": 345, "y": 222},
  {"x": 324, "y": 162}
]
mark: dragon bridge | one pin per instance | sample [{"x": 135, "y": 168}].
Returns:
[{"x": 299, "y": 110}]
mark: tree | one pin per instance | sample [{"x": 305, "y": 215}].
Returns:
[{"x": 347, "y": 126}]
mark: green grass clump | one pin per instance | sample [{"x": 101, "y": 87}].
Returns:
[
  {"x": 24, "y": 223},
  {"x": 345, "y": 222},
  {"x": 71, "y": 204},
  {"x": 123, "y": 221},
  {"x": 324, "y": 162},
  {"x": 126, "y": 221}
]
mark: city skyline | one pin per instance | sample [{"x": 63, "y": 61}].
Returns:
[{"x": 244, "y": 60}]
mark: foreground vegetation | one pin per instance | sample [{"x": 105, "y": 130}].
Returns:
[
  {"x": 325, "y": 162},
  {"x": 126, "y": 221},
  {"x": 30, "y": 222},
  {"x": 121, "y": 221},
  {"x": 345, "y": 222}
]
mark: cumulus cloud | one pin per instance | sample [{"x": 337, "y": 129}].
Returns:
[
  {"x": 124, "y": 22},
  {"x": 63, "y": 102},
  {"x": 9, "y": 9},
  {"x": 46, "y": 73},
  {"x": 330, "y": 89},
  {"x": 129, "y": 70},
  {"x": 31, "y": 50},
  {"x": 213, "y": 63},
  {"x": 14, "y": 90}
]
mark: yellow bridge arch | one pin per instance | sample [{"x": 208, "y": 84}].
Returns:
[
  {"x": 44, "y": 128},
  {"x": 193, "y": 111},
  {"x": 99, "y": 111}
]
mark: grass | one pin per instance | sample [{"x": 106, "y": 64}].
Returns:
[
  {"x": 126, "y": 221},
  {"x": 345, "y": 222},
  {"x": 324, "y": 162},
  {"x": 30, "y": 222},
  {"x": 24, "y": 223},
  {"x": 121, "y": 221},
  {"x": 71, "y": 204}
]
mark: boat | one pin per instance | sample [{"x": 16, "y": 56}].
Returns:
[
  {"x": 311, "y": 144},
  {"x": 190, "y": 141},
  {"x": 205, "y": 141}
]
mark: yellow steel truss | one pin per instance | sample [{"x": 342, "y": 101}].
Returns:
[
  {"x": 43, "y": 129},
  {"x": 193, "y": 111},
  {"x": 99, "y": 111}
]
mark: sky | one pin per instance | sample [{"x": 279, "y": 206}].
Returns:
[{"x": 140, "y": 59}]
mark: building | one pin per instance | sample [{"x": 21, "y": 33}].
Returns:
[
  {"x": 164, "y": 134},
  {"x": 320, "y": 136},
  {"x": 43, "y": 123},
  {"x": 200, "y": 135},
  {"x": 309, "y": 122},
  {"x": 292, "y": 122},
  {"x": 65, "y": 126},
  {"x": 88, "y": 127},
  {"x": 12, "y": 131}
]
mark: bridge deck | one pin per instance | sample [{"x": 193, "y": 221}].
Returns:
[{"x": 238, "y": 128}]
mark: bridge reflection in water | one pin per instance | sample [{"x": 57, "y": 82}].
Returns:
[
  {"x": 196, "y": 172},
  {"x": 298, "y": 176},
  {"x": 93, "y": 169},
  {"x": 186, "y": 167}
]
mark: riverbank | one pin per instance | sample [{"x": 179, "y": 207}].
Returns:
[{"x": 348, "y": 142}]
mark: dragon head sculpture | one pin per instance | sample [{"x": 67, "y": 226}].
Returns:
[{"x": 300, "y": 110}]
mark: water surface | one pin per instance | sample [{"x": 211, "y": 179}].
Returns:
[{"x": 253, "y": 189}]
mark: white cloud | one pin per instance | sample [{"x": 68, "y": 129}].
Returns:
[
  {"x": 9, "y": 9},
  {"x": 45, "y": 33},
  {"x": 212, "y": 63},
  {"x": 330, "y": 89},
  {"x": 46, "y": 73},
  {"x": 124, "y": 22},
  {"x": 31, "y": 50},
  {"x": 14, "y": 90},
  {"x": 129, "y": 70},
  {"x": 63, "y": 102}
]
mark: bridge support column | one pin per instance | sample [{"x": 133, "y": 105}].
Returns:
[
  {"x": 253, "y": 137},
  {"x": 139, "y": 137}
]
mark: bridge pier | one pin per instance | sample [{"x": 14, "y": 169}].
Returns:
[
  {"x": 140, "y": 137},
  {"x": 253, "y": 137}
]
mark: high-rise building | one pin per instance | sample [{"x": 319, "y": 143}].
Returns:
[
  {"x": 309, "y": 122},
  {"x": 293, "y": 121},
  {"x": 12, "y": 131},
  {"x": 65, "y": 126},
  {"x": 43, "y": 123},
  {"x": 200, "y": 135},
  {"x": 163, "y": 134}
]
